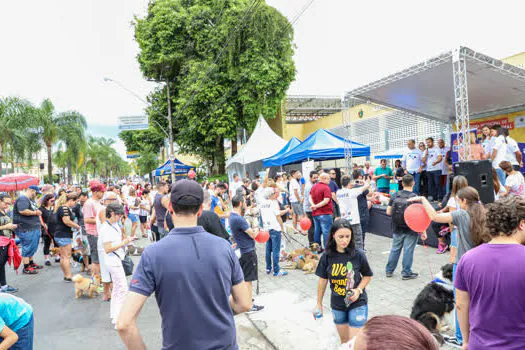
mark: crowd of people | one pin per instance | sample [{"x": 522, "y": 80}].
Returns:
[{"x": 204, "y": 221}]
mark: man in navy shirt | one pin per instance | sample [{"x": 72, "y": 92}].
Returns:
[
  {"x": 244, "y": 236},
  {"x": 192, "y": 274}
]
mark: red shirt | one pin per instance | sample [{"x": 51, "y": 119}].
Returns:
[{"x": 319, "y": 192}]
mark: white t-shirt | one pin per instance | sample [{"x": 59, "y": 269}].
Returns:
[
  {"x": 131, "y": 203},
  {"x": 453, "y": 203},
  {"x": 125, "y": 190},
  {"x": 294, "y": 185},
  {"x": 269, "y": 210},
  {"x": 145, "y": 204},
  {"x": 444, "y": 170},
  {"x": 412, "y": 160},
  {"x": 487, "y": 145},
  {"x": 433, "y": 154},
  {"x": 234, "y": 186},
  {"x": 512, "y": 148},
  {"x": 347, "y": 199},
  {"x": 516, "y": 184},
  {"x": 113, "y": 234},
  {"x": 501, "y": 151},
  {"x": 259, "y": 195}
]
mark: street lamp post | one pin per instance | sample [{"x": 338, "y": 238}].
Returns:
[{"x": 169, "y": 133}]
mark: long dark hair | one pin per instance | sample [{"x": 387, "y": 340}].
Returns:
[
  {"x": 46, "y": 199},
  {"x": 476, "y": 211},
  {"x": 331, "y": 247}
]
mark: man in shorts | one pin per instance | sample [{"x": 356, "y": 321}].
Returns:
[
  {"x": 89, "y": 211},
  {"x": 27, "y": 218},
  {"x": 296, "y": 200},
  {"x": 244, "y": 236}
]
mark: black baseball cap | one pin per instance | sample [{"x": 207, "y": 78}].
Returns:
[{"x": 186, "y": 192}]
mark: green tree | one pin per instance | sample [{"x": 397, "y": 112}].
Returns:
[
  {"x": 15, "y": 136},
  {"x": 226, "y": 63},
  {"x": 56, "y": 126},
  {"x": 136, "y": 140},
  {"x": 147, "y": 161}
]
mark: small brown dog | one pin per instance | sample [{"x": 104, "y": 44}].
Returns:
[{"x": 86, "y": 286}]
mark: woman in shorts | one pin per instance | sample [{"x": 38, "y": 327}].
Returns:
[
  {"x": 145, "y": 207},
  {"x": 65, "y": 221},
  {"x": 349, "y": 273},
  {"x": 134, "y": 210}
]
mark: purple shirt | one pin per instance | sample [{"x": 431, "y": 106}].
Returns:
[{"x": 494, "y": 277}]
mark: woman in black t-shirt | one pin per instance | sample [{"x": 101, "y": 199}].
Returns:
[
  {"x": 348, "y": 271},
  {"x": 49, "y": 225},
  {"x": 63, "y": 233}
]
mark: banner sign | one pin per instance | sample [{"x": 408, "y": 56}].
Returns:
[
  {"x": 307, "y": 167},
  {"x": 503, "y": 122},
  {"x": 133, "y": 123},
  {"x": 455, "y": 143}
]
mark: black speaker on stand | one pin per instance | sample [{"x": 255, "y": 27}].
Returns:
[{"x": 479, "y": 176}]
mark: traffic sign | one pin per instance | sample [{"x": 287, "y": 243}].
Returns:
[{"x": 133, "y": 123}]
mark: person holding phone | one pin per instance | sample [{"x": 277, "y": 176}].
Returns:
[{"x": 114, "y": 244}]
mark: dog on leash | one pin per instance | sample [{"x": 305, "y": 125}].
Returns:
[
  {"x": 86, "y": 286},
  {"x": 434, "y": 302}
]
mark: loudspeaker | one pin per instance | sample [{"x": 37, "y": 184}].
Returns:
[
  {"x": 479, "y": 176},
  {"x": 41, "y": 166}
]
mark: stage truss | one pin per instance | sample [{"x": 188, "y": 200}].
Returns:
[
  {"x": 423, "y": 90},
  {"x": 306, "y": 108}
]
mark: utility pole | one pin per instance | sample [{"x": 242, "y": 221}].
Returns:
[{"x": 170, "y": 131}]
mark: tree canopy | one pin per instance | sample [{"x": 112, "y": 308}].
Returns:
[{"x": 226, "y": 63}]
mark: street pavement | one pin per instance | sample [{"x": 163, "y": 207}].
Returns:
[{"x": 62, "y": 322}]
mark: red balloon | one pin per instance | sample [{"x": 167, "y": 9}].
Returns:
[
  {"x": 191, "y": 174},
  {"x": 305, "y": 224},
  {"x": 262, "y": 236},
  {"x": 417, "y": 218}
]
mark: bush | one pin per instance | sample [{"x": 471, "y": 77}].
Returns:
[{"x": 222, "y": 178}]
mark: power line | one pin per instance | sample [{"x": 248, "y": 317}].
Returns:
[{"x": 301, "y": 12}]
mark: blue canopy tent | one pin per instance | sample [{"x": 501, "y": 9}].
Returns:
[
  {"x": 275, "y": 160},
  {"x": 323, "y": 145},
  {"x": 180, "y": 168}
]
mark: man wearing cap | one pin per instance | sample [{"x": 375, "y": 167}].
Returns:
[
  {"x": 27, "y": 216},
  {"x": 193, "y": 294},
  {"x": 89, "y": 211}
]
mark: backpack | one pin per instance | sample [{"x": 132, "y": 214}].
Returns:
[{"x": 399, "y": 206}]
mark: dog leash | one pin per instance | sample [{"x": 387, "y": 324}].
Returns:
[{"x": 425, "y": 247}]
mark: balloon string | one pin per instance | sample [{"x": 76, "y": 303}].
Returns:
[{"x": 428, "y": 259}]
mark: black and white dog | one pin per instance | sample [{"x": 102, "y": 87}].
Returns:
[{"x": 434, "y": 302}]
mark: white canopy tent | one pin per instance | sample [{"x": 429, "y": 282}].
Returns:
[{"x": 262, "y": 144}]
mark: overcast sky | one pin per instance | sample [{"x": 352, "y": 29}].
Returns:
[{"x": 63, "y": 49}]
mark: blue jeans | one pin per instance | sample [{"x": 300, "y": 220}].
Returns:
[
  {"x": 407, "y": 242},
  {"x": 273, "y": 249},
  {"x": 323, "y": 223},
  {"x": 502, "y": 177},
  {"x": 434, "y": 184},
  {"x": 355, "y": 318},
  {"x": 25, "y": 337},
  {"x": 417, "y": 179},
  {"x": 29, "y": 240},
  {"x": 459, "y": 337},
  {"x": 385, "y": 190},
  {"x": 364, "y": 227}
]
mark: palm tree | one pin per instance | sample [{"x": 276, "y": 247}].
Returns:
[
  {"x": 14, "y": 114},
  {"x": 74, "y": 139},
  {"x": 54, "y": 125}
]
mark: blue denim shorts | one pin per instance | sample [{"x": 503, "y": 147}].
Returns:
[
  {"x": 29, "y": 240},
  {"x": 133, "y": 217},
  {"x": 63, "y": 241},
  {"x": 356, "y": 318},
  {"x": 454, "y": 238},
  {"x": 25, "y": 337}
]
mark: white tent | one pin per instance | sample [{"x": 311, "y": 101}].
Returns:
[{"x": 262, "y": 144}]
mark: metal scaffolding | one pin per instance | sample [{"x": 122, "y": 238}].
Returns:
[
  {"x": 426, "y": 91},
  {"x": 305, "y": 108}
]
